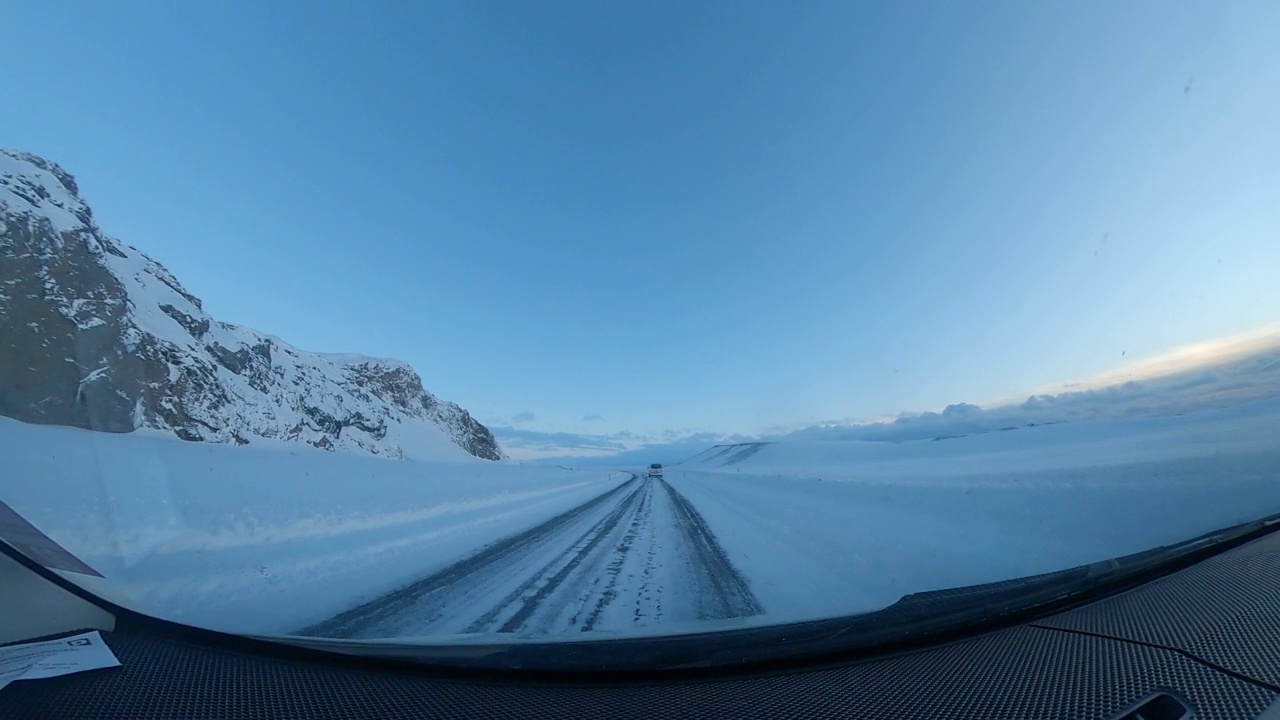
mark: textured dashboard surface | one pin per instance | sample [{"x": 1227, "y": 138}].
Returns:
[
  {"x": 1018, "y": 673},
  {"x": 1234, "y": 624},
  {"x": 1087, "y": 663}
]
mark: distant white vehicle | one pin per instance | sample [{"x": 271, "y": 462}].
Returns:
[{"x": 655, "y": 470}]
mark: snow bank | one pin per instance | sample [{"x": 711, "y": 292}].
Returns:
[
  {"x": 823, "y": 529},
  {"x": 264, "y": 538}
]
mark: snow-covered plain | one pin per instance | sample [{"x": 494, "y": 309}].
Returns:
[
  {"x": 828, "y": 528},
  {"x": 268, "y": 537}
]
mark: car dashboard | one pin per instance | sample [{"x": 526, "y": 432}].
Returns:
[{"x": 1202, "y": 642}]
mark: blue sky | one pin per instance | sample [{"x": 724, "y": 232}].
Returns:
[{"x": 631, "y": 222}]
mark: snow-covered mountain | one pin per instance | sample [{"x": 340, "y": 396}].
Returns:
[{"x": 95, "y": 334}]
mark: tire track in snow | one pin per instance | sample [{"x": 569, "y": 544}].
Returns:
[
  {"x": 727, "y": 591},
  {"x": 426, "y": 600},
  {"x": 640, "y": 520},
  {"x": 606, "y": 564},
  {"x": 551, "y": 577}
]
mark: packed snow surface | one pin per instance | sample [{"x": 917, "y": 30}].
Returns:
[{"x": 278, "y": 538}]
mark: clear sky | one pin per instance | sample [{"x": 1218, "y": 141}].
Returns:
[{"x": 623, "y": 221}]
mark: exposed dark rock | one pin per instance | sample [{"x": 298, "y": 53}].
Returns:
[
  {"x": 197, "y": 328},
  {"x": 76, "y": 350}
]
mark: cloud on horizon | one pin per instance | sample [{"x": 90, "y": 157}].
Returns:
[
  {"x": 1224, "y": 372},
  {"x": 521, "y": 443},
  {"x": 615, "y": 448},
  {"x": 666, "y": 451}
]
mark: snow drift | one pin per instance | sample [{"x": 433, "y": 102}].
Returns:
[
  {"x": 824, "y": 528},
  {"x": 269, "y": 537}
]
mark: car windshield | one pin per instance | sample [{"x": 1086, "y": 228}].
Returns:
[{"x": 451, "y": 321}]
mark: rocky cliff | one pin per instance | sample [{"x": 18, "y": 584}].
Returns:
[{"x": 95, "y": 334}]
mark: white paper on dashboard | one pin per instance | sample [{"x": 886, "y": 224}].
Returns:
[{"x": 28, "y": 661}]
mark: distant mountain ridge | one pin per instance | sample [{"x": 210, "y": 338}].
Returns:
[{"x": 95, "y": 334}]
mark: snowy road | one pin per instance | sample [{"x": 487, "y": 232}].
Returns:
[{"x": 637, "y": 556}]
